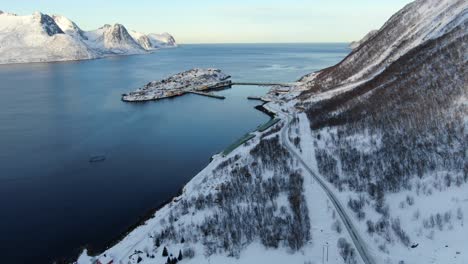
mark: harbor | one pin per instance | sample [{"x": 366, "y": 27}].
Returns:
[
  {"x": 203, "y": 82},
  {"x": 196, "y": 81}
]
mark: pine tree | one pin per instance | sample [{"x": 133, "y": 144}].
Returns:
[
  {"x": 157, "y": 242},
  {"x": 182, "y": 240},
  {"x": 180, "y": 255},
  {"x": 168, "y": 261},
  {"x": 164, "y": 253}
]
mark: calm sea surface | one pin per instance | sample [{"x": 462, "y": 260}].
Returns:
[{"x": 55, "y": 116}]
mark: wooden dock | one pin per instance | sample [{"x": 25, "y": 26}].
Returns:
[
  {"x": 218, "y": 86},
  {"x": 208, "y": 94},
  {"x": 261, "y": 84}
]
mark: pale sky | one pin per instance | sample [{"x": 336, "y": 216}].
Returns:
[{"x": 221, "y": 21}]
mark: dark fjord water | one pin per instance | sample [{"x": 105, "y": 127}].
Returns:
[{"x": 55, "y": 116}]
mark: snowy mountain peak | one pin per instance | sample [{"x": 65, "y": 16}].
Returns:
[
  {"x": 48, "y": 24},
  {"x": 142, "y": 39},
  {"x": 68, "y": 26},
  {"x": 154, "y": 41},
  {"x": 40, "y": 37},
  {"x": 117, "y": 37},
  {"x": 164, "y": 39}
]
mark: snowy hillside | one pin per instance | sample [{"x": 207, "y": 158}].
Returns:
[
  {"x": 358, "y": 43},
  {"x": 367, "y": 165},
  {"x": 43, "y": 38},
  {"x": 162, "y": 40},
  {"x": 390, "y": 136},
  {"x": 417, "y": 23}
]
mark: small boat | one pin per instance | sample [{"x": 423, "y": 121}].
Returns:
[{"x": 97, "y": 158}]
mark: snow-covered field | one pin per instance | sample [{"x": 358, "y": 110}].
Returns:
[{"x": 43, "y": 38}]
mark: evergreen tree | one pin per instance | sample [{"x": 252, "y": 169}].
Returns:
[
  {"x": 157, "y": 242},
  {"x": 168, "y": 261},
  {"x": 182, "y": 240},
  {"x": 180, "y": 255},
  {"x": 164, "y": 253}
]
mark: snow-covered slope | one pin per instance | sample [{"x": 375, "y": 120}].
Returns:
[
  {"x": 394, "y": 144},
  {"x": 417, "y": 23},
  {"x": 69, "y": 27},
  {"x": 113, "y": 39},
  {"x": 42, "y": 38},
  {"x": 38, "y": 38},
  {"x": 142, "y": 39},
  {"x": 356, "y": 44},
  {"x": 162, "y": 40},
  {"x": 154, "y": 41}
]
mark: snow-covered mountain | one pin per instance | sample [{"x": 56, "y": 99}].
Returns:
[
  {"x": 41, "y": 38},
  {"x": 164, "y": 40},
  {"x": 368, "y": 164},
  {"x": 154, "y": 41},
  {"x": 113, "y": 39},
  {"x": 415, "y": 24},
  {"x": 142, "y": 39},
  {"x": 69, "y": 27},
  {"x": 38, "y": 38}
]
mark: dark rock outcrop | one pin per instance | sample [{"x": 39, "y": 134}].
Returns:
[{"x": 49, "y": 25}]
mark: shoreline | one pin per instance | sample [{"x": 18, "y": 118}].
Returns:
[{"x": 144, "y": 217}]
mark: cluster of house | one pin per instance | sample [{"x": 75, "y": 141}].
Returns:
[{"x": 192, "y": 80}]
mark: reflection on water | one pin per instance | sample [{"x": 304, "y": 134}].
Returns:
[{"x": 55, "y": 116}]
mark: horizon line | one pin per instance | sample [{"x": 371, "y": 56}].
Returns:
[{"x": 297, "y": 42}]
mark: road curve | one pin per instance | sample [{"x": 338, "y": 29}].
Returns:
[{"x": 357, "y": 240}]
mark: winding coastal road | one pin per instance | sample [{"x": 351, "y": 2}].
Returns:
[{"x": 357, "y": 240}]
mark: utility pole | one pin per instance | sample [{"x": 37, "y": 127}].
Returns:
[{"x": 325, "y": 253}]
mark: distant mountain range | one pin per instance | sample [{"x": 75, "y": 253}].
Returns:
[{"x": 43, "y": 38}]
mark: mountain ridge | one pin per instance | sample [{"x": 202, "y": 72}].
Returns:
[
  {"x": 43, "y": 38},
  {"x": 416, "y": 23}
]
